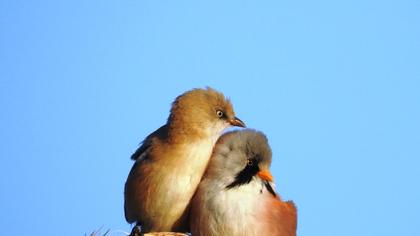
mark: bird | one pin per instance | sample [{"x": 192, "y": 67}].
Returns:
[
  {"x": 236, "y": 195},
  {"x": 170, "y": 162}
]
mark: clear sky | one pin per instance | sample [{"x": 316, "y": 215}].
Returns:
[{"x": 335, "y": 85}]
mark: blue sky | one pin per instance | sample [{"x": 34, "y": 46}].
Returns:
[{"x": 333, "y": 84}]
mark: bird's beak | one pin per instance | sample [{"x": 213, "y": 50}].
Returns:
[
  {"x": 237, "y": 122},
  {"x": 265, "y": 175}
]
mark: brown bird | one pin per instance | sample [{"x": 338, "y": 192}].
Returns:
[
  {"x": 171, "y": 161},
  {"x": 236, "y": 196}
]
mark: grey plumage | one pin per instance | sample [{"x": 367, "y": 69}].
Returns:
[{"x": 236, "y": 195}]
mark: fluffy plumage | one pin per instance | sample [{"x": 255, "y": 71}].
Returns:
[
  {"x": 236, "y": 196},
  {"x": 171, "y": 161}
]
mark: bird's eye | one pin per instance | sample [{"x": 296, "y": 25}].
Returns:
[
  {"x": 249, "y": 162},
  {"x": 219, "y": 113}
]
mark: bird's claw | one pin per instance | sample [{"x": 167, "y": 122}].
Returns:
[{"x": 136, "y": 231}]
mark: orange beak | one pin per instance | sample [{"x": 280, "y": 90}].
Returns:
[
  {"x": 265, "y": 175},
  {"x": 237, "y": 122}
]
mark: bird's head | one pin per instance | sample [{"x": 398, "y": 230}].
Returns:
[
  {"x": 240, "y": 157},
  {"x": 202, "y": 112}
]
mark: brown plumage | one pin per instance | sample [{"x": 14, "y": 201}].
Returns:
[{"x": 171, "y": 161}]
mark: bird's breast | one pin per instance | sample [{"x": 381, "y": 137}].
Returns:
[
  {"x": 182, "y": 169},
  {"x": 222, "y": 205}
]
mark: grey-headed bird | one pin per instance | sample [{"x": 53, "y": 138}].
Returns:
[
  {"x": 171, "y": 161},
  {"x": 236, "y": 195}
]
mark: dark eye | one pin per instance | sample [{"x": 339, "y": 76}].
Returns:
[
  {"x": 250, "y": 162},
  {"x": 219, "y": 113}
]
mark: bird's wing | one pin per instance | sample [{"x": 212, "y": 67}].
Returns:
[
  {"x": 282, "y": 217},
  {"x": 288, "y": 213},
  {"x": 133, "y": 191},
  {"x": 142, "y": 151}
]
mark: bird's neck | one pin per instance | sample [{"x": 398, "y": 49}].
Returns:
[{"x": 184, "y": 134}]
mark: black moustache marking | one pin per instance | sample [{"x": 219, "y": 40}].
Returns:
[
  {"x": 245, "y": 176},
  {"x": 269, "y": 188}
]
